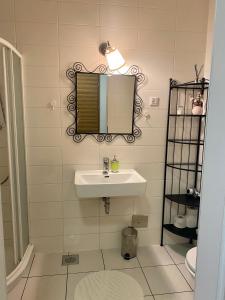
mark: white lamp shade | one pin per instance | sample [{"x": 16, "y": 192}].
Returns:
[{"x": 114, "y": 59}]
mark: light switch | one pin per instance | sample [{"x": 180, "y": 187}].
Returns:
[{"x": 154, "y": 101}]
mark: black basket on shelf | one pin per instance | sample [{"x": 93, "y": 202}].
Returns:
[{"x": 184, "y": 154}]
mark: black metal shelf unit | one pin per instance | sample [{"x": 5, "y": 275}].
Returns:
[{"x": 183, "y": 155}]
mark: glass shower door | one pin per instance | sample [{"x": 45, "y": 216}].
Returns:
[
  {"x": 17, "y": 212},
  {"x": 21, "y": 176},
  {"x": 11, "y": 255},
  {"x": 6, "y": 204}
]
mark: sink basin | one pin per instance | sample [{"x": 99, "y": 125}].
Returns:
[{"x": 92, "y": 184}]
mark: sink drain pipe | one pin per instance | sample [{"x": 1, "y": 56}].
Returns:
[{"x": 106, "y": 201}]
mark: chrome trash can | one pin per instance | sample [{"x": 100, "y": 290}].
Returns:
[{"x": 129, "y": 243}]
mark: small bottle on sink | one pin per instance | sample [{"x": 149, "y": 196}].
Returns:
[{"x": 115, "y": 165}]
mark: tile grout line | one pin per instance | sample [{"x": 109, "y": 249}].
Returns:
[
  {"x": 173, "y": 293},
  {"x": 169, "y": 255},
  {"x": 15, "y": 25},
  {"x": 139, "y": 267},
  {"x": 28, "y": 276},
  {"x": 145, "y": 278},
  {"x": 154, "y": 266},
  {"x": 49, "y": 275},
  {"x": 166, "y": 265},
  {"x": 178, "y": 268},
  {"x": 74, "y": 273},
  {"x": 61, "y": 124},
  {"x": 184, "y": 278},
  {"x": 24, "y": 288}
]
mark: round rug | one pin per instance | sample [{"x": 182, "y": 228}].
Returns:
[{"x": 108, "y": 285}]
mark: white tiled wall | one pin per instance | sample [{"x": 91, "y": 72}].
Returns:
[
  {"x": 165, "y": 38},
  {"x": 210, "y": 35}
]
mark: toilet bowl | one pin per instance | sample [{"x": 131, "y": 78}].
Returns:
[
  {"x": 190, "y": 261},
  {"x": 110, "y": 285}
]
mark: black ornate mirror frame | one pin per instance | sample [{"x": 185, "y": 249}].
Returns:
[{"x": 72, "y": 106}]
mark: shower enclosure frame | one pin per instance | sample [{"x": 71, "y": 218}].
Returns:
[
  {"x": 22, "y": 253},
  {"x": 9, "y": 132}
]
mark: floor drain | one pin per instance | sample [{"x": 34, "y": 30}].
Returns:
[{"x": 72, "y": 259}]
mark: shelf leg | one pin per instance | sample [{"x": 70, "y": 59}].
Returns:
[
  {"x": 191, "y": 241},
  {"x": 161, "y": 243}
]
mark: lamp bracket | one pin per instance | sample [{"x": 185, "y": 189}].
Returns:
[{"x": 102, "y": 48}]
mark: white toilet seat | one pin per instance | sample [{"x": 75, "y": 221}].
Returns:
[
  {"x": 190, "y": 261},
  {"x": 110, "y": 285}
]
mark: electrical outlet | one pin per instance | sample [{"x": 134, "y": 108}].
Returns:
[
  {"x": 140, "y": 221},
  {"x": 154, "y": 101}
]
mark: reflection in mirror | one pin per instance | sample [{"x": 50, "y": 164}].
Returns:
[{"x": 104, "y": 103}]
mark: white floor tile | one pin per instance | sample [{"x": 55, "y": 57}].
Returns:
[
  {"x": 47, "y": 264},
  {"x": 138, "y": 275},
  {"x": 178, "y": 252},
  {"x": 154, "y": 255},
  {"x": 187, "y": 275},
  {"x": 46, "y": 288},
  {"x": 166, "y": 279},
  {"x": 17, "y": 291},
  {"x": 88, "y": 261},
  {"x": 114, "y": 260},
  {"x": 72, "y": 282},
  {"x": 178, "y": 296}
]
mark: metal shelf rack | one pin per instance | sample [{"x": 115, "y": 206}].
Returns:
[{"x": 183, "y": 155}]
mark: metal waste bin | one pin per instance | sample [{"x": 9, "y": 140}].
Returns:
[{"x": 129, "y": 243}]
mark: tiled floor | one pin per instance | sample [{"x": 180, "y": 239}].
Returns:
[{"x": 160, "y": 272}]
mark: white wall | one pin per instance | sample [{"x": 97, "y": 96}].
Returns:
[
  {"x": 165, "y": 38},
  {"x": 209, "y": 40}
]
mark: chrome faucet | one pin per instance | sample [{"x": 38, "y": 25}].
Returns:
[{"x": 105, "y": 165}]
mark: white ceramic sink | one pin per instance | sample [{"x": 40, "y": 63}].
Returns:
[{"x": 92, "y": 184}]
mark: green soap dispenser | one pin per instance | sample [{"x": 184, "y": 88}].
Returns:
[{"x": 115, "y": 165}]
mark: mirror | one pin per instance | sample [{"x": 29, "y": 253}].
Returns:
[{"x": 104, "y": 105}]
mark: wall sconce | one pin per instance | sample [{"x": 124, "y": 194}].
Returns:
[{"x": 114, "y": 58}]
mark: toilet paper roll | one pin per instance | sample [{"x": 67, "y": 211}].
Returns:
[
  {"x": 180, "y": 221},
  {"x": 192, "y": 217}
]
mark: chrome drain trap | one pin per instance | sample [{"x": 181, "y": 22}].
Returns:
[{"x": 72, "y": 259}]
